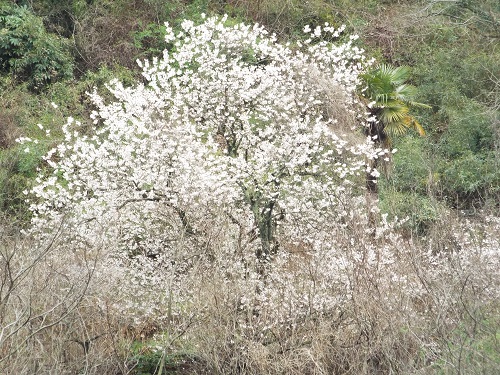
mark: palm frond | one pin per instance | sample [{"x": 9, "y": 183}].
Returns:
[
  {"x": 393, "y": 113},
  {"x": 396, "y": 75},
  {"x": 405, "y": 92},
  {"x": 419, "y": 128},
  {"x": 418, "y": 105},
  {"x": 400, "y": 75},
  {"x": 401, "y": 127},
  {"x": 395, "y": 129},
  {"x": 381, "y": 99}
]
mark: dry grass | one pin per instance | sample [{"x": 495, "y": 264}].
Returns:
[
  {"x": 8, "y": 130},
  {"x": 354, "y": 305}
]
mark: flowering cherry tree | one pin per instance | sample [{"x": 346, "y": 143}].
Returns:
[
  {"x": 227, "y": 117},
  {"x": 233, "y": 151}
]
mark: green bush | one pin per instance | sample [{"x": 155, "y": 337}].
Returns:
[
  {"x": 29, "y": 52},
  {"x": 421, "y": 211},
  {"x": 412, "y": 166},
  {"x": 147, "y": 363},
  {"x": 17, "y": 171},
  {"x": 151, "y": 360},
  {"x": 451, "y": 63},
  {"x": 471, "y": 178},
  {"x": 469, "y": 130},
  {"x": 60, "y": 16},
  {"x": 150, "y": 40}
]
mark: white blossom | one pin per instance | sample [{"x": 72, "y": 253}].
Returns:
[{"x": 229, "y": 127}]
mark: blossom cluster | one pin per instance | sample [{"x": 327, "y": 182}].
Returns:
[{"x": 228, "y": 116}]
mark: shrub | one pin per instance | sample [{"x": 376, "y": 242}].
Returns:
[
  {"x": 469, "y": 130},
  {"x": 28, "y": 51},
  {"x": 470, "y": 179},
  {"x": 150, "y": 40},
  {"x": 18, "y": 167},
  {"x": 420, "y": 211},
  {"x": 412, "y": 168}
]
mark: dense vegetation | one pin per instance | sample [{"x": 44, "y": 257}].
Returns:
[{"x": 436, "y": 269}]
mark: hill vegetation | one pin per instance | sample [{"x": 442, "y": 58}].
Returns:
[{"x": 279, "y": 198}]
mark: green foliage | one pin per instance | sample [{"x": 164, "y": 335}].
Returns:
[
  {"x": 450, "y": 73},
  {"x": 147, "y": 362},
  {"x": 60, "y": 16},
  {"x": 421, "y": 211},
  {"x": 457, "y": 72},
  {"x": 473, "y": 346},
  {"x": 29, "y": 51},
  {"x": 469, "y": 130},
  {"x": 17, "y": 173},
  {"x": 150, "y": 40},
  {"x": 28, "y": 161},
  {"x": 459, "y": 163},
  {"x": 151, "y": 360},
  {"x": 481, "y": 16},
  {"x": 466, "y": 155},
  {"x": 412, "y": 166},
  {"x": 471, "y": 178}
]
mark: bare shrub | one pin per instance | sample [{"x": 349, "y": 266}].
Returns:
[
  {"x": 47, "y": 316},
  {"x": 395, "y": 315},
  {"x": 350, "y": 305},
  {"x": 102, "y": 38},
  {"x": 341, "y": 303}
]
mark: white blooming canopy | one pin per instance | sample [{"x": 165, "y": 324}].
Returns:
[{"x": 228, "y": 121}]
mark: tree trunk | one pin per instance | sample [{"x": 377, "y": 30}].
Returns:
[
  {"x": 266, "y": 224},
  {"x": 267, "y": 230},
  {"x": 371, "y": 181}
]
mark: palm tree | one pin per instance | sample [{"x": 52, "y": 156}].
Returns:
[{"x": 389, "y": 100}]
